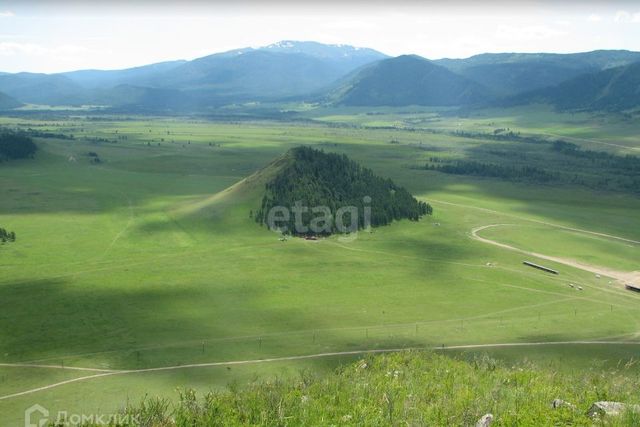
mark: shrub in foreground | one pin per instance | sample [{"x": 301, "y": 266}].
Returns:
[{"x": 408, "y": 388}]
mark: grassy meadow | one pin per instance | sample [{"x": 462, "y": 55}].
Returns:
[
  {"x": 404, "y": 388},
  {"x": 150, "y": 259}
]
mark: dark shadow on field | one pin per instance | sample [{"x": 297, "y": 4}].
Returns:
[
  {"x": 59, "y": 322},
  {"x": 51, "y": 318},
  {"x": 421, "y": 247}
]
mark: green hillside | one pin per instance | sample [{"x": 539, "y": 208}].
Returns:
[
  {"x": 39, "y": 88},
  {"x": 407, "y": 388},
  {"x": 7, "y": 102},
  {"x": 615, "y": 89},
  {"x": 143, "y": 98},
  {"x": 408, "y": 80},
  {"x": 512, "y": 73},
  {"x": 111, "y": 78}
]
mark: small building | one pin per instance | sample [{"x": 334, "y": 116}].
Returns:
[
  {"x": 632, "y": 288},
  {"x": 540, "y": 267}
]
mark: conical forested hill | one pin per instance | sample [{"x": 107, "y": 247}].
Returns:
[{"x": 318, "y": 193}]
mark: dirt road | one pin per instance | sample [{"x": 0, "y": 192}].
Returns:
[
  {"x": 621, "y": 276},
  {"x": 311, "y": 356}
]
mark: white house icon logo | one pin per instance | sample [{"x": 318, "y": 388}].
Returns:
[{"x": 32, "y": 414}]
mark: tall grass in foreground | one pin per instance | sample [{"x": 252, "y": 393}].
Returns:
[{"x": 408, "y": 388}]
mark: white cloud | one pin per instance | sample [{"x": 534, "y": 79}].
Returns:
[
  {"x": 594, "y": 17},
  {"x": 12, "y": 48},
  {"x": 624, "y": 16},
  {"x": 6, "y": 14},
  {"x": 532, "y": 32},
  {"x": 32, "y": 49}
]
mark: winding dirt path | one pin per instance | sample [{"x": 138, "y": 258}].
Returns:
[
  {"x": 68, "y": 368},
  {"x": 311, "y": 356},
  {"x": 123, "y": 230},
  {"x": 537, "y": 221},
  {"x": 620, "y": 276}
]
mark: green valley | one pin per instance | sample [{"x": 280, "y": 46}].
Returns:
[{"x": 145, "y": 272}]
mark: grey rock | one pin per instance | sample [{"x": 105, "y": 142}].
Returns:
[
  {"x": 611, "y": 408},
  {"x": 485, "y": 421}
]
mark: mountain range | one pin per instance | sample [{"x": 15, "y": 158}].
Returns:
[
  {"x": 284, "y": 69},
  {"x": 511, "y": 73},
  {"x": 343, "y": 75}
]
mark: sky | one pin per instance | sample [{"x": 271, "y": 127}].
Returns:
[{"x": 55, "y": 36}]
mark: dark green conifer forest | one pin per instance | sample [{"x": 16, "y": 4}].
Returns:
[
  {"x": 16, "y": 146},
  {"x": 314, "y": 179}
]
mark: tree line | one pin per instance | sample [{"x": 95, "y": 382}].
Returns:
[
  {"x": 15, "y": 145},
  {"x": 564, "y": 163},
  {"x": 625, "y": 163},
  {"x": 506, "y": 172},
  {"x": 42, "y": 134}
]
